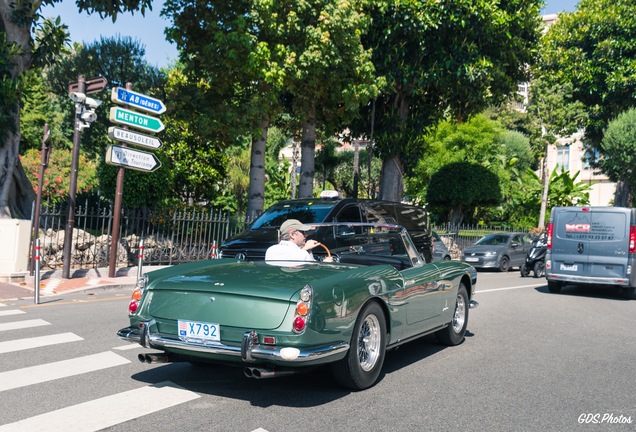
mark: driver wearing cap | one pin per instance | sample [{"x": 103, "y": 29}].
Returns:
[{"x": 293, "y": 245}]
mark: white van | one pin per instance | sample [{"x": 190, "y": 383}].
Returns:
[{"x": 593, "y": 246}]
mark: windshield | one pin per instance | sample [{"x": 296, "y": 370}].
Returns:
[
  {"x": 493, "y": 240},
  {"x": 305, "y": 212}
]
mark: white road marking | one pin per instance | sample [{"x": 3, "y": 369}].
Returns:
[
  {"x": 36, "y": 342},
  {"x": 2, "y": 305},
  {"x": 62, "y": 369},
  {"x": 108, "y": 411},
  {"x": 11, "y": 312},
  {"x": 17, "y": 325},
  {"x": 509, "y": 288}
]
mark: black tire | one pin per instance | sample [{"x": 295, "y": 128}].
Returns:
[
  {"x": 554, "y": 287},
  {"x": 504, "y": 264},
  {"x": 523, "y": 269},
  {"x": 362, "y": 365},
  {"x": 539, "y": 269},
  {"x": 454, "y": 333}
]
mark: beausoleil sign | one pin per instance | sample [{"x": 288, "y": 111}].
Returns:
[{"x": 135, "y": 138}]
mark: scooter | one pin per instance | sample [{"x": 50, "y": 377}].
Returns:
[{"x": 535, "y": 257}]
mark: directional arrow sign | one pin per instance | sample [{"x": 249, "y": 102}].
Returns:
[
  {"x": 135, "y": 138},
  {"x": 93, "y": 85},
  {"x": 133, "y": 159},
  {"x": 136, "y": 120},
  {"x": 137, "y": 100}
]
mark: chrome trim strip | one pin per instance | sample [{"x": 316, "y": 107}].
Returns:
[{"x": 252, "y": 352}]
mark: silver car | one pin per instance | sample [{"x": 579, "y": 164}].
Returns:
[{"x": 499, "y": 251}]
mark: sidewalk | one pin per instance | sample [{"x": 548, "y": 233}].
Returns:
[{"x": 51, "y": 282}]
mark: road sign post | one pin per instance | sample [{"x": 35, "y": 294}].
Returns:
[{"x": 124, "y": 157}]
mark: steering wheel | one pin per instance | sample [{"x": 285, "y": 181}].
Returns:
[{"x": 326, "y": 248}]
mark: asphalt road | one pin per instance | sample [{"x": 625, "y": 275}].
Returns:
[{"x": 531, "y": 361}]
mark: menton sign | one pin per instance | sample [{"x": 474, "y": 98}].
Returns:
[{"x": 136, "y": 120}]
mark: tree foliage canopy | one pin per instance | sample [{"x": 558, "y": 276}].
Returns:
[
  {"x": 462, "y": 186},
  {"x": 443, "y": 59},
  {"x": 592, "y": 51}
]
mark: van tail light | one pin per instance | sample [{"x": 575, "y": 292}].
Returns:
[
  {"x": 632, "y": 239},
  {"x": 550, "y": 232}
]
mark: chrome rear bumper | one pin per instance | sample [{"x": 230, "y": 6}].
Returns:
[{"x": 249, "y": 351}]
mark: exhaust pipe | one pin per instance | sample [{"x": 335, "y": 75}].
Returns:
[
  {"x": 153, "y": 358},
  {"x": 473, "y": 304},
  {"x": 260, "y": 373}
]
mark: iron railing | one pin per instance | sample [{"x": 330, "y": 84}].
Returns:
[{"x": 171, "y": 235}]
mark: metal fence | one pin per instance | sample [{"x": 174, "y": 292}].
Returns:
[
  {"x": 467, "y": 235},
  {"x": 171, "y": 235}
]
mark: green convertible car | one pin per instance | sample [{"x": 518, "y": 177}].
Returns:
[{"x": 278, "y": 318}]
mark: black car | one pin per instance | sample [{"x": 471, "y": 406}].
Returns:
[{"x": 263, "y": 232}]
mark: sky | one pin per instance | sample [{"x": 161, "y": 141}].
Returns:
[{"x": 148, "y": 30}]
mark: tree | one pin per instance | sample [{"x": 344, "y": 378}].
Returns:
[
  {"x": 20, "y": 50},
  {"x": 460, "y": 187},
  {"x": 475, "y": 140},
  {"x": 554, "y": 109},
  {"x": 332, "y": 74},
  {"x": 619, "y": 150},
  {"x": 55, "y": 183},
  {"x": 442, "y": 59},
  {"x": 240, "y": 64},
  {"x": 594, "y": 50}
]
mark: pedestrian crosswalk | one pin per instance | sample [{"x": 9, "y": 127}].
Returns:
[{"x": 89, "y": 415}]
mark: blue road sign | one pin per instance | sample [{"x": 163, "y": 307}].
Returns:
[{"x": 137, "y": 100}]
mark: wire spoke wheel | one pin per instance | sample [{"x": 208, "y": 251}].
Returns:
[{"x": 369, "y": 343}]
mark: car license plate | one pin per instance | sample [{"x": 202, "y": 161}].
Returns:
[
  {"x": 469, "y": 259},
  {"x": 569, "y": 267},
  {"x": 200, "y": 332}
]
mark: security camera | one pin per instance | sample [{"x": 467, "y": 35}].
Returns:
[
  {"x": 83, "y": 126},
  {"x": 78, "y": 97},
  {"x": 89, "y": 116},
  {"x": 93, "y": 103}
]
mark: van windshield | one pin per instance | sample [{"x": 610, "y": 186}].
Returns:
[{"x": 306, "y": 213}]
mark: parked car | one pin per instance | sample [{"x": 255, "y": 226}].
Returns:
[
  {"x": 440, "y": 251},
  {"x": 263, "y": 232},
  {"x": 499, "y": 251},
  {"x": 277, "y": 318}
]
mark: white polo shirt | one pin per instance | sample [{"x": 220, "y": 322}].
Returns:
[{"x": 287, "y": 250}]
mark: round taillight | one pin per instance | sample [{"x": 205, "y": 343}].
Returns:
[
  {"x": 132, "y": 307},
  {"x": 136, "y": 295},
  {"x": 301, "y": 308},
  {"x": 299, "y": 324}
]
